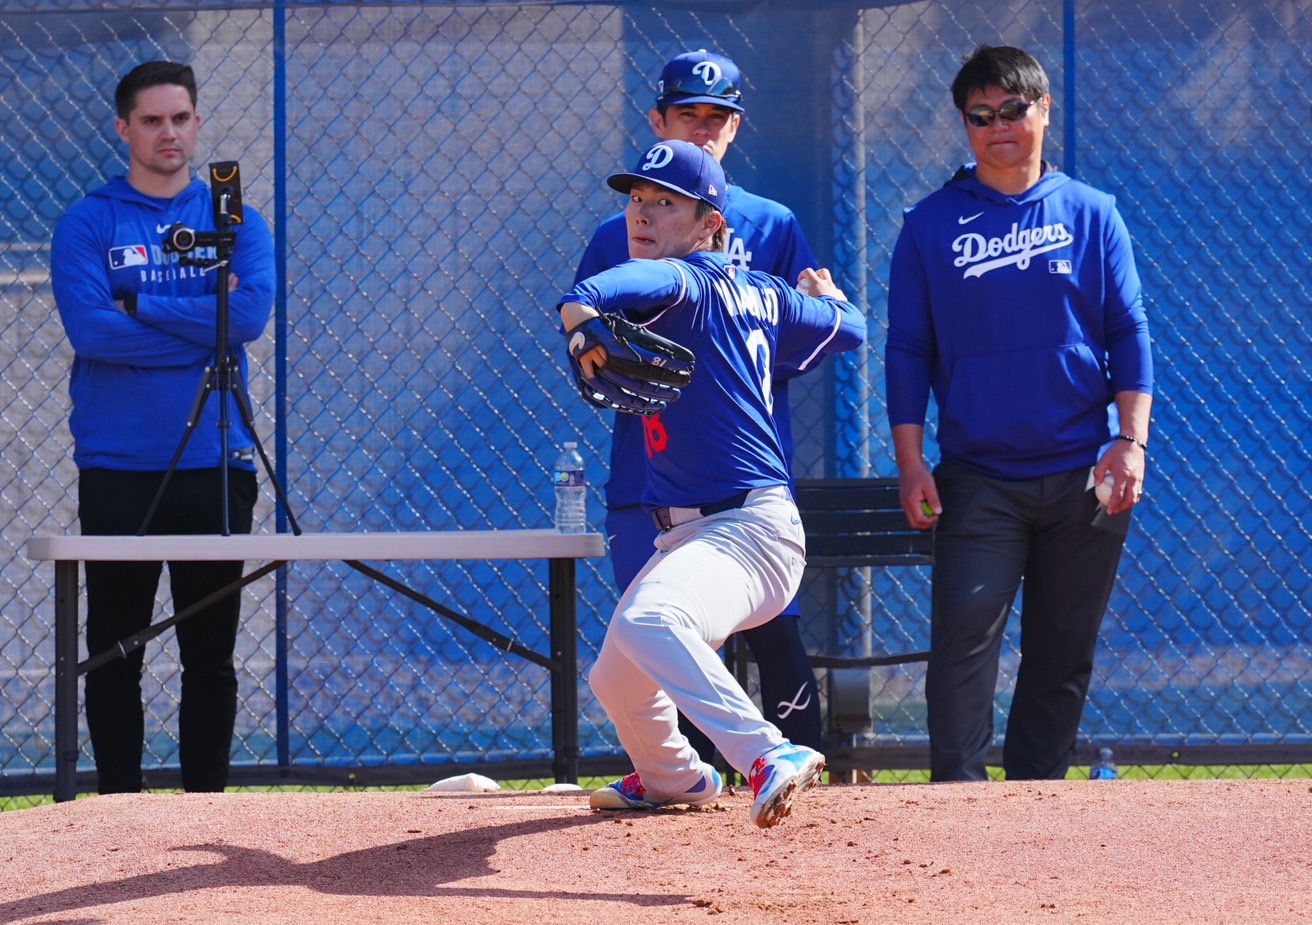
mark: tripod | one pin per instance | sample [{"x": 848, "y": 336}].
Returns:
[{"x": 221, "y": 376}]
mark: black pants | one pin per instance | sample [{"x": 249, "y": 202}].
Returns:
[
  {"x": 993, "y": 533},
  {"x": 121, "y": 602}
]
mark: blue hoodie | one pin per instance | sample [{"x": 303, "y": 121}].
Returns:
[
  {"x": 135, "y": 380},
  {"x": 1024, "y": 316}
]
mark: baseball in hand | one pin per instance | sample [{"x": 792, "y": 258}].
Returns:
[
  {"x": 818, "y": 283},
  {"x": 1103, "y": 490}
]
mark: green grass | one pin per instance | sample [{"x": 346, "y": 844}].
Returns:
[
  {"x": 1141, "y": 772},
  {"x": 1137, "y": 772}
]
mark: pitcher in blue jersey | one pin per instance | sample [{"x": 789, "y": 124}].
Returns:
[
  {"x": 1014, "y": 299},
  {"x": 731, "y": 548},
  {"x": 700, "y": 100}
]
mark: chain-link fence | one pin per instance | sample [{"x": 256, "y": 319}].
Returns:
[{"x": 433, "y": 172}]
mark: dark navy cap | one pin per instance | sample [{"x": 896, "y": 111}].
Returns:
[
  {"x": 678, "y": 166},
  {"x": 700, "y": 77}
]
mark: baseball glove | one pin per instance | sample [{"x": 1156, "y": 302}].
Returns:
[{"x": 643, "y": 372}]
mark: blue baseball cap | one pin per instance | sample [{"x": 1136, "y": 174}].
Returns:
[
  {"x": 679, "y": 166},
  {"x": 700, "y": 77}
]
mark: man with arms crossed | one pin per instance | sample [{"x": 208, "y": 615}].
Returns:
[{"x": 142, "y": 326}]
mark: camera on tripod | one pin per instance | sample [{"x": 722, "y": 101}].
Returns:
[
  {"x": 225, "y": 193},
  {"x": 223, "y": 374},
  {"x": 179, "y": 239}
]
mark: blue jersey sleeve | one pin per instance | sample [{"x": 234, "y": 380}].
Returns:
[
  {"x": 640, "y": 289},
  {"x": 815, "y": 328},
  {"x": 909, "y": 350}
]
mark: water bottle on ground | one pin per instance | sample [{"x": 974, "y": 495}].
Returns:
[
  {"x": 1105, "y": 767},
  {"x": 571, "y": 491}
]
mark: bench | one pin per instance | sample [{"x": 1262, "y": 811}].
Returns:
[
  {"x": 852, "y": 524},
  {"x": 856, "y": 524}
]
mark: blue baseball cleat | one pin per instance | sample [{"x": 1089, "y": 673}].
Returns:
[
  {"x": 629, "y": 793},
  {"x": 778, "y": 776}
]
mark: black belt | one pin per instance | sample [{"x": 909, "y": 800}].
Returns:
[{"x": 667, "y": 518}]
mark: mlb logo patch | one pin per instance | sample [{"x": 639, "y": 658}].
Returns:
[
  {"x": 133, "y": 256},
  {"x": 1059, "y": 266}
]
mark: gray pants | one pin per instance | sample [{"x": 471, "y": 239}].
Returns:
[{"x": 992, "y": 533}]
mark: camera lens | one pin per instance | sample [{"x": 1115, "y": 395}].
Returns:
[{"x": 180, "y": 239}]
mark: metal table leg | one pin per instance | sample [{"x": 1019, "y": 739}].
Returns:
[
  {"x": 66, "y": 630},
  {"x": 565, "y": 677}
]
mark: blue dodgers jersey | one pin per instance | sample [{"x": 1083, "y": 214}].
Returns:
[
  {"x": 744, "y": 327},
  {"x": 1023, "y": 315},
  {"x": 763, "y": 235}
]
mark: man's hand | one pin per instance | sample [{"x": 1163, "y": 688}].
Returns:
[
  {"x": 1125, "y": 462},
  {"x": 817, "y": 283},
  {"x": 916, "y": 486},
  {"x": 919, "y": 495}
]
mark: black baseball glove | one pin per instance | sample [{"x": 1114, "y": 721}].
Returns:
[{"x": 642, "y": 373}]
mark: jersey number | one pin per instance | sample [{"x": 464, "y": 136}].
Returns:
[
  {"x": 759, "y": 346},
  {"x": 654, "y": 435}
]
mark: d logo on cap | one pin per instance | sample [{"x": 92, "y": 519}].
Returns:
[
  {"x": 659, "y": 156},
  {"x": 708, "y": 71}
]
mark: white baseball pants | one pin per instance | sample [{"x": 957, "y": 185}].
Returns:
[{"x": 708, "y": 578}]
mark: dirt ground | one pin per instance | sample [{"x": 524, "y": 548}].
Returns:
[{"x": 1141, "y": 852}]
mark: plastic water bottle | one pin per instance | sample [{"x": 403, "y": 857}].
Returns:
[
  {"x": 571, "y": 491},
  {"x": 1105, "y": 767}
]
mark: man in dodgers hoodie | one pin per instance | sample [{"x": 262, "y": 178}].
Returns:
[{"x": 1014, "y": 300}]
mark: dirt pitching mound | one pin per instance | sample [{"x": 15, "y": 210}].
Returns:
[{"x": 1132, "y": 852}]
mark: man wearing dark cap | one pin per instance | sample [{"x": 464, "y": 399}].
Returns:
[{"x": 699, "y": 100}]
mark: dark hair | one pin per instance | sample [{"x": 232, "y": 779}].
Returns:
[
  {"x": 1002, "y": 66},
  {"x": 152, "y": 74},
  {"x": 721, "y": 236}
]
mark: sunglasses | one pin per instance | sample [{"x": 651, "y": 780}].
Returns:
[
  {"x": 1010, "y": 111},
  {"x": 695, "y": 85}
]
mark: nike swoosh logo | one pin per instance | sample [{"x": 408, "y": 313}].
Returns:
[
  {"x": 967, "y": 219},
  {"x": 160, "y": 229}
]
